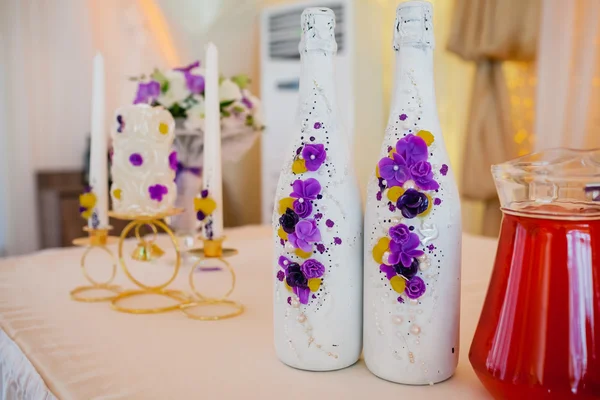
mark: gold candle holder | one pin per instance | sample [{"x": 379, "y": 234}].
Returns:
[
  {"x": 96, "y": 239},
  {"x": 147, "y": 250},
  {"x": 213, "y": 249}
]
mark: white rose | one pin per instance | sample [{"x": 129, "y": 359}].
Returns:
[
  {"x": 229, "y": 91},
  {"x": 177, "y": 91},
  {"x": 196, "y": 115},
  {"x": 256, "y": 110}
]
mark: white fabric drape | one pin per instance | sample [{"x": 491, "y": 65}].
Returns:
[{"x": 568, "y": 90}]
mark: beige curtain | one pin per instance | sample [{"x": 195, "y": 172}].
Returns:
[{"x": 488, "y": 33}]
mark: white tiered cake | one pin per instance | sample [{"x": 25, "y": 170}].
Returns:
[{"x": 143, "y": 162}]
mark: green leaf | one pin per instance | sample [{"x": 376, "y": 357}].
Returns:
[
  {"x": 177, "y": 111},
  {"x": 225, "y": 113},
  {"x": 238, "y": 109},
  {"x": 226, "y": 103},
  {"x": 242, "y": 80},
  {"x": 249, "y": 120}
]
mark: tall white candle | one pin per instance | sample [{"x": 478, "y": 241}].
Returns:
[
  {"x": 98, "y": 150},
  {"x": 212, "y": 179}
]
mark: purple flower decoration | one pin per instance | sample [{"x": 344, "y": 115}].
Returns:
[
  {"x": 444, "y": 169},
  {"x": 394, "y": 171},
  {"x": 317, "y": 125},
  {"x": 307, "y": 190},
  {"x": 284, "y": 262},
  {"x": 408, "y": 272},
  {"x": 388, "y": 270},
  {"x": 188, "y": 68},
  {"x": 204, "y": 193},
  {"x": 329, "y": 223},
  {"x": 195, "y": 83},
  {"x": 302, "y": 208},
  {"x": 280, "y": 276},
  {"x": 337, "y": 240},
  {"x": 318, "y": 216},
  {"x": 412, "y": 149},
  {"x": 146, "y": 93},
  {"x": 305, "y": 234},
  {"x": 157, "y": 192},
  {"x": 303, "y": 293},
  {"x": 200, "y": 216},
  {"x": 314, "y": 156},
  {"x": 412, "y": 203},
  {"x": 399, "y": 233},
  {"x": 136, "y": 159},
  {"x": 437, "y": 201},
  {"x": 423, "y": 176},
  {"x": 404, "y": 252},
  {"x": 312, "y": 269},
  {"x": 295, "y": 277},
  {"x": 403, "y": 117},
  {"x": 415, "y": 288},
  {"x": 379, "y": 196},
  {"x": 173, "y": 160},
  {"x": 288, "y": 221}
]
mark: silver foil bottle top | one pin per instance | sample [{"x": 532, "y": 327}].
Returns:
[
  {"x": 318, "y": 30},
  {"x": 414, "y": 25}
]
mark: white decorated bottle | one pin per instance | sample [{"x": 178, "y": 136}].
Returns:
[
  {"x": 412, "y": 225},
  {"x": 317, "y": 222}
]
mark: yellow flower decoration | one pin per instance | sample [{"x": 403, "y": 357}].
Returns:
[
  {"x": 398, "y": 284},
  {"x": 87, "y": 201},
  {"x": 163, "y": 128},
  {"x": 377, "y": 174},
  {"x": 117, "y": 194},
  {"x": 302, "y": 254},
  {"x": 426, "y": 136},
  {"x": 391, "y": 153},
  {"x": 299, "y": 166},
  {"x": 206, "y": 205},
  {"x": 429, "y": 206},
  {"x": 282, "y": 234},
  {"x": 314, "y": 284},
  {"x": 288, "y": 287},
  {"x": 394, "y": 193},
  {"x": 286, "y": 203},
  {"x": 381, "y": 247}
]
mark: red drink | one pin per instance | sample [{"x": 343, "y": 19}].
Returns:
[{"x": 539, "y": 332}]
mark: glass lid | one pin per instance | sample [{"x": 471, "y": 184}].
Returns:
[{"x": 559, "y": 183}]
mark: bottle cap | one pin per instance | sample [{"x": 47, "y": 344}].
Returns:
[
  {"x": 318, "y": 30},
  {"x": 414, "y": 25}
]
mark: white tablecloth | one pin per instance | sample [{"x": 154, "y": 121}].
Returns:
[{"x": 52, "y": 346}]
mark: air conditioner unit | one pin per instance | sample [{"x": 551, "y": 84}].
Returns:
[{"x": 358, "y": 62}]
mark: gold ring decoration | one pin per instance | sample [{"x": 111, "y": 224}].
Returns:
[
  {"x": 96, "y": 239},
  {"x": 148, "y": 250},
  {"x": 213, "y": 249}
]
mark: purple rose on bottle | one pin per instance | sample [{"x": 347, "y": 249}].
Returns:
[
  {"x": 308, "y": 189},
  {"x": 399, "y": 233},
  {"x": 412, "y": 148},
  {"x": 289, "y": 220},
  {"x": 314, "y": 155},
  {"x": 302, "y": 207},
  {"x": 407, "y": 272},
  {"x": 415, "y": 288},
  {"x": 406, "y": 251},
  {"x": 305, "y": 234},
  {"x": 412, "y": 203},
  {"x": 295, "y": 277},
  {"x": 312, "y": 269},
  {"x": 423, "y": 176},
  {"x": 394, "y": 170}
]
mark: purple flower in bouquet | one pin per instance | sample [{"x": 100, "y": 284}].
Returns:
[
  {"x": 157, "y": 192},
  {"x": 173, "y": 161},
  {"x": 407, "y": 272},
  {"x": 246, "y": 101},
  {"x": 312, "y": 269},
  {"x": 305, "y": 234},
  {"x": 307, "y": 190},
  {"x": 423, "y": 176},
  {"x": 302, "y": 208},
  {"x": 195, "y": 83},
  {"x": 147, "y": 92},
  {"x": 405, "y": 251},
  {"x": 415, "y": 288},
  {"x": 394, "y": 170},
  {"x": 412, "y": 203},
  {"x": 314, "y": 155},
  {"x": 412, "y": 149}
]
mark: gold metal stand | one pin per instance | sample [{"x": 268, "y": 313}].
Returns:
[
  {"x": 96, "y": 239},
  {"x": 213, "y": 249},
  {"x": 147, "y": 250}
]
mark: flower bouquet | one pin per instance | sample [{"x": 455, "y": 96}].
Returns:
[{"x": 181, "y": 91}]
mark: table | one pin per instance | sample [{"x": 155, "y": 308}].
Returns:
[{"x": 52, "y": 347}]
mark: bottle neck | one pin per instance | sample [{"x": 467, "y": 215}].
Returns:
[
  {"x": 317, "y": 74},
  {"x": 413, "y": 82}
]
